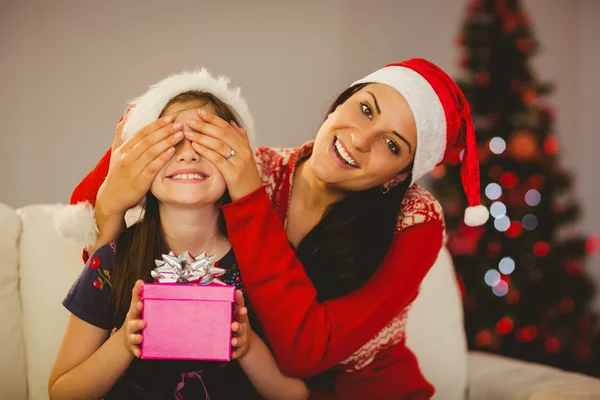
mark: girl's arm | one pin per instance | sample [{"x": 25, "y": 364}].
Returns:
[
  {"x": 258, "y": 362},
  {"x": 87, "y": 364}
]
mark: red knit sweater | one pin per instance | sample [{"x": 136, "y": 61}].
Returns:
[{"x": 362, "y": 333}]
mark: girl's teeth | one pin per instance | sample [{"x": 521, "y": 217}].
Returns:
[{"x": 187, "y": 176}]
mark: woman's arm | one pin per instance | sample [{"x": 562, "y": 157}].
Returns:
[
  {"x": 308, "y": 337},
  {"x": 87, "y": 364}
]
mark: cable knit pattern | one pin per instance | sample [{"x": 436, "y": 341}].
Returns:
[{"x": 389, "y": 336}]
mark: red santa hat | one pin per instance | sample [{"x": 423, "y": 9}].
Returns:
[
  {"x": 77, "y": 221},
  {"x": 444, "y": 124}
]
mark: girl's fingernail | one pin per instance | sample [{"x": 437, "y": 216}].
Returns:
[
  {"x": 192, "y": 122},
  {"x": 190, "y": 134},
  {"x": 177, "y": 125},
  {"x": 171, "y": 150},
  {"x": 196, "y": 146},
  {"x": 202, "y": 113},
  {"x": 178, "y": 135},
  {"x": 168, "y": 119}
]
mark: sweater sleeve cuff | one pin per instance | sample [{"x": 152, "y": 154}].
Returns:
[{"x": 248, "y": 201}]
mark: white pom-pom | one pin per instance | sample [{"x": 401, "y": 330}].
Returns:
[
  {"x": 77, "y": 222},
  {"x": 477, "y": 215}
]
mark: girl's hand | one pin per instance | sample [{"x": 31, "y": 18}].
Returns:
[
  {"x": 133, "y": 322},
  {"x": 226, "y": 145},
  {"x": 240, "y": 327}
]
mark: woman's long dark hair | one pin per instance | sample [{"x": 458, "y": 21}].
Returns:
[
  {"x": 144, "y": 242},
  {"x": 349, "y": 243}
]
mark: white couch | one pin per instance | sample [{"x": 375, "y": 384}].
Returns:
[{"x": 37, "y": 268}]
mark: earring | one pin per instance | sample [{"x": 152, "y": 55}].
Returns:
[{"x": 384, "y": 190}]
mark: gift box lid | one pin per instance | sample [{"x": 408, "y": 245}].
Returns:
[{"x": 188, "y": 291}]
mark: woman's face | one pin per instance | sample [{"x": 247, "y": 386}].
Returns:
[
  {"x": 367, "y": 141},
  {"x": 188, "y": 179}
]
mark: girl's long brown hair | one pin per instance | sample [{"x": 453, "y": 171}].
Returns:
[{"x": 144, "y": 242}]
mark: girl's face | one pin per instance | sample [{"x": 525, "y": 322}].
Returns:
[
  {"x": 367, "y": 141},
  {"x": 188, "y": 179}
]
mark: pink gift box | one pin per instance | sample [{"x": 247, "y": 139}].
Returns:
[{"x": 187, "y": 321}]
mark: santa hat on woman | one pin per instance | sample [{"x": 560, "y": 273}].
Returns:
[
  {"x": 444, "y": 124},
  {"x": 77, "y": 221}
]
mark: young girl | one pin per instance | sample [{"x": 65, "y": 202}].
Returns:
[{"x": 181, "y": 213}]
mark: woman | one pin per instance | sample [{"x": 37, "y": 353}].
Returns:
[
  {"x": 181, "y": 214},
  {"x": 334, "y": 238}
]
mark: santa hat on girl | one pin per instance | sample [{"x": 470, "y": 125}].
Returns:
[
  {"x": 444, "y": 124},
  {"x": 77, "y": 221}
]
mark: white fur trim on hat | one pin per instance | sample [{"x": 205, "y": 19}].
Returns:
[
  {"x": 77, "y": 222},
  {"x": 149, "y": 106},
  {"x": 476, "y": 215},
  {"x": 427, "y": 111}
]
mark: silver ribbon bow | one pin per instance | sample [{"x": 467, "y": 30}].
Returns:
[{"x": 187, "y": 269}]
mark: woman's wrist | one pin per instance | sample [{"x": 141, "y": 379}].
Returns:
[{"x": 105, "y": 209}]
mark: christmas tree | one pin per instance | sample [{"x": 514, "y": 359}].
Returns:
[{"x": 522, "y": 276}]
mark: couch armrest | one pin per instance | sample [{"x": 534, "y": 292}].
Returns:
[{"x": 495, "y": 377}]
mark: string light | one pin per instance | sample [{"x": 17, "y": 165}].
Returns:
[
  {"x": 497, "y": 145},
  {"x": 492, "y": 277},
  {"x": 529, "y": 222},
  {"x": 502, "y": 224},
  {"x": 493, "y": 191},
  {"x": 533, "y": 197},
  {"x": 498, "y": 209},
  {"x": 506, "y": 265},
  {"x": 500, "y": 289}
]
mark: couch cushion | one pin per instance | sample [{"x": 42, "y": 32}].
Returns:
[
  {"x": 494, "y": 377},
  {"x": 435, "y": 331},
  {"x": 48, "y": 267},
  {"x": 13, "y": 384}
]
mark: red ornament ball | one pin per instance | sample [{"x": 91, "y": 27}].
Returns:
[
  {"x": 573, "y": 267},
  {"x": 514, "y": 230},
  {"x": 505, "y": 325},
  {"x": 527, "y": 333},
  {"x": 536, "y": 181},
  {"x": 552, "y": 345},
  {"x": 591, "y": 245},
  {"x": 508, "y": 180},
  {"x": 551, "y": 146},
  {"x": 525, "y": 45},
  {"x": 541, "y": 249},
  {"x": 483, "y": 338},
  {"x": 512, "y": 297},
  {"x": 523, "y": 146},
  {"x": 482, "y": 79},
  {"x": 97, "y": 284},
  {"x": 566, "y": 305}
]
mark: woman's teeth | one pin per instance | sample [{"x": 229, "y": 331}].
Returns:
[
  {"x": 345, "y": 156},
  {"x": 188, "y": 176}
]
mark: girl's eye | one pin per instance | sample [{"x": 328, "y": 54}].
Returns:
[
  {"x": 366, "y": 110},
  {"x": 392, "y": 146}
]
